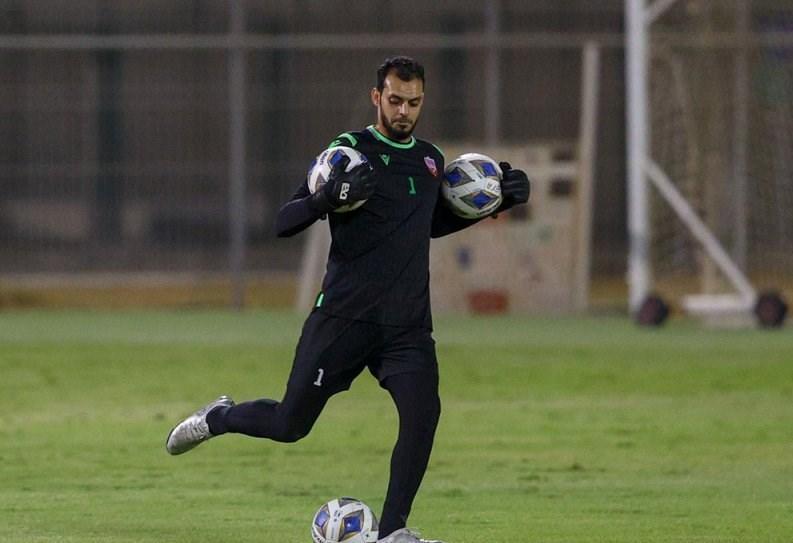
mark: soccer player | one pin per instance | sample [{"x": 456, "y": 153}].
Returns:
[{"x": 374, "y": 308}]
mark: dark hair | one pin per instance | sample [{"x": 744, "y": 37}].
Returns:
[{"x": 406, "y": 69}]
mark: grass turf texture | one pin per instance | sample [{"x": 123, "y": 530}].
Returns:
[{"x": 569, "y": 430}]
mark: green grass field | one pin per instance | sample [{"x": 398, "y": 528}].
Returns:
[{"x": 568, "y": 430}]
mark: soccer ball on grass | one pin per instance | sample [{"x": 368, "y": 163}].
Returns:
[
  {"x": 344, "y": 520},
  {"x": 471, "y": 185},
  {"x": 320, "y": 170}
]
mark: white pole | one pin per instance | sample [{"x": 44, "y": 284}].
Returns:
[
  {"x": 312, "y": 266},
  {"x": 637, "y": 122},
  {"x": 700, "y": 231},
  {"x": 587, "y": 151},
  {"x": 741, "y": 137}
]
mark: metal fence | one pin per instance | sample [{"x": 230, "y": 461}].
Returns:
[{"x": 164, "y": 136}]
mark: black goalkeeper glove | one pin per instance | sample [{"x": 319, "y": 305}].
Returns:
[
  {"x": 345, "y": 187},
  {"x": 515, "y": 186}
]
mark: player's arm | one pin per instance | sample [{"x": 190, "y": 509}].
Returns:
[
  {"x": 515, "y": 190},
  {"x": 341, "y": 188},
  {"x": 297, "y": 214},
  {"x": 444, "y": 222}
]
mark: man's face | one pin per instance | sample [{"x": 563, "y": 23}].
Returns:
[{"x": 398, "y": 106}]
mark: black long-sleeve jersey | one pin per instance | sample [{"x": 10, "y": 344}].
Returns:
[{"x": 378, "y": 266}]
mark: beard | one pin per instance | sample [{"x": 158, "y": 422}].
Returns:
[{"x": 395, "y": 132}]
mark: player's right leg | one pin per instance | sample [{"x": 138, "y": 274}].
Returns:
[{"x": 330, "y": 354}]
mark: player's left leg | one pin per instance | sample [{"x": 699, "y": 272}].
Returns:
[
  {"x": 408, "y": 370},
  {"x": 417, "y": 401}
]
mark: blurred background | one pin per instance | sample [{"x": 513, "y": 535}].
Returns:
[{"x": 145, "y": 147}]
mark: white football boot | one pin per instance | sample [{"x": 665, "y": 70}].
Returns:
[
  {"x": 406, "y": 536},
  {"x": 193, "y": 430}
]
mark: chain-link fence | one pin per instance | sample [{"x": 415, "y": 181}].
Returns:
[{"x": 154, "y": 136}]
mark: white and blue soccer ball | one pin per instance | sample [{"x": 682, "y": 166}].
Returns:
[
  {"x": 344, "y": 520},
  {"x": 320, "y": 170},
  {"x": 471, "y": 185}
]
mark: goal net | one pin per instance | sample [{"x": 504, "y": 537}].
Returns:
[{"x": 719, "y": 152}]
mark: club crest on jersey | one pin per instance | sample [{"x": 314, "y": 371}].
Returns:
[{"x": 431, "y": 166}]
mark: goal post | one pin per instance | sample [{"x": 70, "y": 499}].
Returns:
[{"x": 709, "y": 156}]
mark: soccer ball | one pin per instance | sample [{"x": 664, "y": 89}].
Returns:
[
  {"x": 344, "y": 520},
  {"x": 320, "y": 170},
  {"x": 471, "y": 185}
]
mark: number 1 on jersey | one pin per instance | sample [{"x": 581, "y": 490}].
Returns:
[{"x": 412, "y": 190}]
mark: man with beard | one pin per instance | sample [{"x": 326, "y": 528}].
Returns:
[{"x": 374, "y": 308}]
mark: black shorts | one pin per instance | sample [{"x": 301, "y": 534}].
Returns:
[{"x": 333, "y": 351}]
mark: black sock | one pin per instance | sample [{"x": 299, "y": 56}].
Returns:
[{"x": 215, "y": 420}]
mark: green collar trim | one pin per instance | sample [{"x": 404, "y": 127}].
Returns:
[
  {"x": 346, "y": 135},
  {"x": 376, "y": 133}
]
